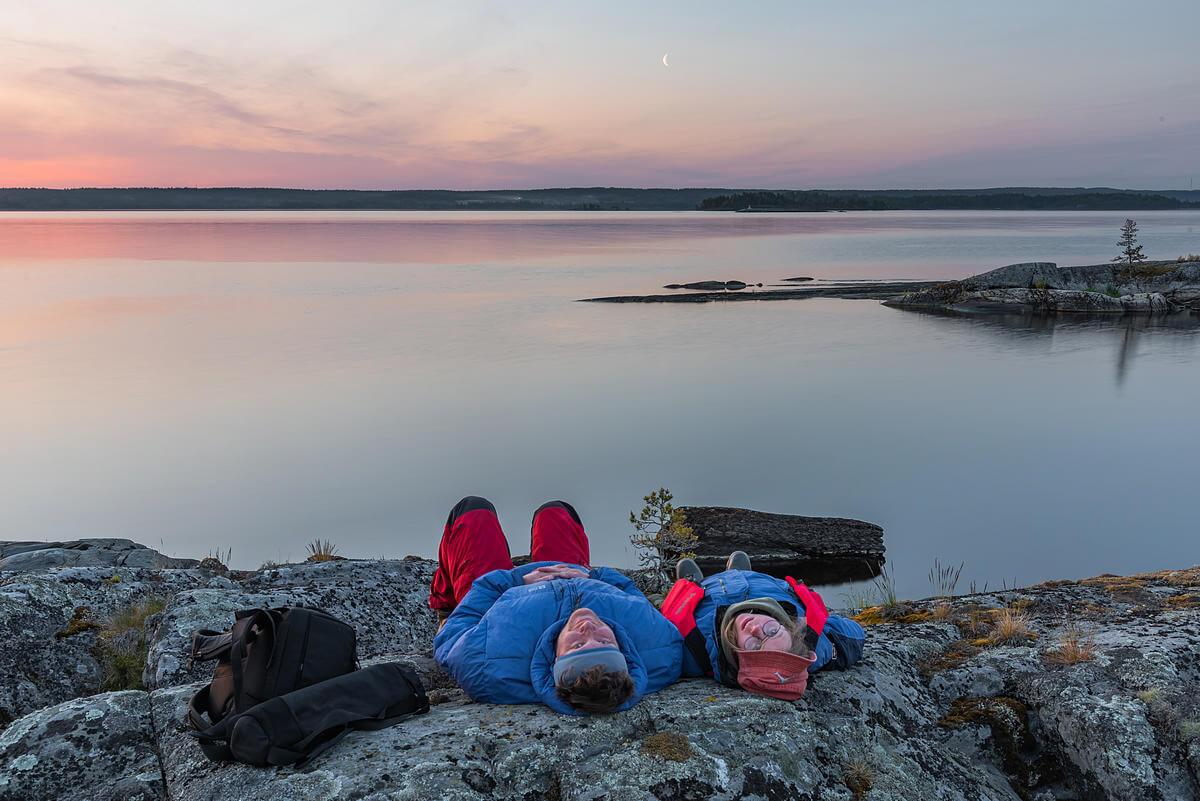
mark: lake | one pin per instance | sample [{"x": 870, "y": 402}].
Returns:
[{"x": 203, "y": 381}]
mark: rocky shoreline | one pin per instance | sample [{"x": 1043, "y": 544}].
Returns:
[
  {"x": 1043, "y": 287},
  {"x": 1032, "y": 287},
  {"x": 1071, "y": 689}
]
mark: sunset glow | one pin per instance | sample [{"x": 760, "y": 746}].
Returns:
[{"x": 382, "y": 95}]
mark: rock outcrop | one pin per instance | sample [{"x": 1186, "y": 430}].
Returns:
[
  {"x": 821, "y": 550},
  {"x": 1065, "y": 690},
  {"x": 1147, "y": 288},
  {"x": 85, "y": 553},
  {"x": 710, "y": 285}
]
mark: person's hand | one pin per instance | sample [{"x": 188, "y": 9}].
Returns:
[
  {"x": 551, "y": 572},
  {"x": 815, "y": 613}
]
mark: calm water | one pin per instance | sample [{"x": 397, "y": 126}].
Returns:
[{"x": 203, "y": 381}]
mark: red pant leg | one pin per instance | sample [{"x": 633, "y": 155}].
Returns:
[
  {"x": 558, "y": 535},
  {"x": 472, "y": 544}
]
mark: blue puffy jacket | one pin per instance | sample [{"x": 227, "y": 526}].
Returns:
[
  {"x": 499, "y": 642},
  {"x": 722, "y": 590}
]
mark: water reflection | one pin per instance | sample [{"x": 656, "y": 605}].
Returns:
[{"x": 1179, "y": 332}]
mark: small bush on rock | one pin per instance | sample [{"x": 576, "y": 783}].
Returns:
[
  {"x": 121, "y": 647},
  {"x": 662, "y": 535}
]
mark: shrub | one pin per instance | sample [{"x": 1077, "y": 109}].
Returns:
[
  {"x": 1111, "y": 291},
  {"x": 661, "y": 534}
]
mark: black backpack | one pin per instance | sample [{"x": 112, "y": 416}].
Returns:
[
  {"x": 286, "y": 687},
  {"x": 267, "y": 653},
  {"x": 297, "y": 726}
]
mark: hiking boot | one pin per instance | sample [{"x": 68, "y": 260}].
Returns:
[
  {"x": 688, "y": 569},
  {"x": 442, "y": 616},
  {"x": 738, "y": 560}
]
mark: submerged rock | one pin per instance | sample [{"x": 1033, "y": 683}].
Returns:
[{"x": 709, "y": 285}]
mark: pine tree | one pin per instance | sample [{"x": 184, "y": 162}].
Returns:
[{"x": 1131, "y": 251}]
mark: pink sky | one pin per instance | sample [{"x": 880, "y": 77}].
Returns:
[{"x": 374, "y": 94}]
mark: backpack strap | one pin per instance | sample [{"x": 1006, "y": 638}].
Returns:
[
  {"x": 243, "y": 634},
  {"x": 213, "y": 740},
  {"x": 679, "y": 607}
]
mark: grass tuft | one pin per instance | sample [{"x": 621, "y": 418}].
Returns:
[
  {"x": 322, "y": 551},
  {"x": 1009, "y": 627},
  {"x": 1189, "y": 730},
  {"x": 859, "y": 778},
  {"x": 944, "y": 579},
  {"x": 1072, "y": 649},
  {"x": 122, "y": 647}
]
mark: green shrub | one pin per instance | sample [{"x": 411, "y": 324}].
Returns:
[
  {"x": 661, "y": 534},
  {"x": 1111, "y": 291}
]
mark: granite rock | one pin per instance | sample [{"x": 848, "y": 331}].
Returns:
[
  {"x": 386, "y": 601},
  {"x": 26, "y": 556},
  {"x": 87, "y": 749},
  {"x": 49, "y": 620}
]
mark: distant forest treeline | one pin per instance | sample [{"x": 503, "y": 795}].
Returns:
[
  {"x": 592, "y": 199},
  {"x": 818, "y": 200}
]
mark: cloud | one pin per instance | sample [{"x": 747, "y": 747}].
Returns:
[{"x": 206, "y": 100}]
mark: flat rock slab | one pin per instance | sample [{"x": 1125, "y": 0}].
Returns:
[
  {"x": 859, "y": 290},
  {"x": 693, "y": 740},
  {"x": 820, "y": 550},
  {"x": 84, "y": 553}
]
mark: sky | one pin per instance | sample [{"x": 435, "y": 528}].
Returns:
[{"x": 397, "y": 94}]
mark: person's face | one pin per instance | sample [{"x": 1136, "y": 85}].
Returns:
[
  {"x": 757, "y": 632},
  {"x": 583, "y": 631}
]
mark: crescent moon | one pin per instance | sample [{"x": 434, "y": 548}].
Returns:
[{"x": 665, "y": 64}]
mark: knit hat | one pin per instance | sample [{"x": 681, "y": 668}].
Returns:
[
  {"x": 568, "y": 666},
  {"x": 763, "y": 606},
  {"x": 778, "y": 674}
]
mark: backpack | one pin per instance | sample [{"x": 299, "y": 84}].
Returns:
[
  {"x": 270, "y": 652},
  {"x": 299, "y": 725},
  {"x": 286, "y": 687}
]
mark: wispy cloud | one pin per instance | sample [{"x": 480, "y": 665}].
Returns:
[{"x": 205, "y": 99}]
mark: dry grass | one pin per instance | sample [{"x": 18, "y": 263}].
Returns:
[
  {"x": 322, "y": 551},
  {"x": 942, "y": 611},
  {"x": 859, "y": 778},
  {"x": 1072, "y": 649},
  {"x": 1009, "y": 627},
  {"x": 1188, "y": 257}
]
